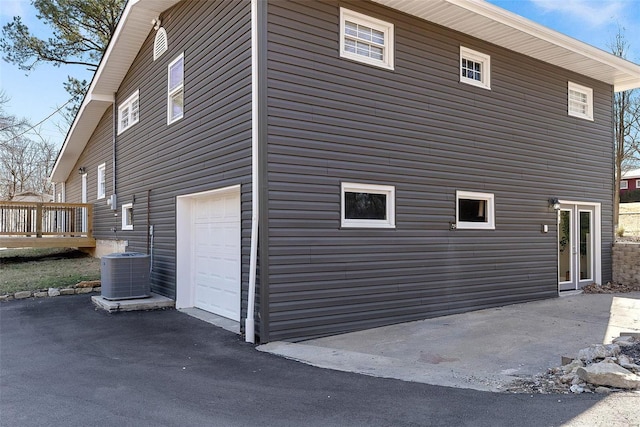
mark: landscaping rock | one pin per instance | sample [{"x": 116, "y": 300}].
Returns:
[
  {"x": 625, "y": 341},
  {"x": 54, "y": 292},
  {"x": 609, "y": 374},
  {"x": 576, "y": 389},
  {"x": 67, "y": 291},
  {"x": 88, "y": 284},
  {"x": 41, "y": 294},
  {"x": 22, "y": 294},
  {"x": 598, "y": 351},
  {"x": 603, "y": 390},
  {"x": 84, "y": 290},
  {"x": 4, "y": 297},
  {"x": 97, "y": 289}
]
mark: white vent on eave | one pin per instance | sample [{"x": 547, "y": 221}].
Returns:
[{"x": 160, "y": 44}]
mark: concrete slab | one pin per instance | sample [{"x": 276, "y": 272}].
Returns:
[
  {"x": 154, "y": 302},
  {"x": 214, "y": 319},
  {"x": 482, "y": 350}
]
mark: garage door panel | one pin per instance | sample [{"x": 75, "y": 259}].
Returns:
[{"x": 217, "y": 255}]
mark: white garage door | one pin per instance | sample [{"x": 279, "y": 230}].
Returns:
[{"x": 216, "y": 254}]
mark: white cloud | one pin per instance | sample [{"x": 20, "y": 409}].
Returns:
[
  {"x": 11, "y": 8},
  {"x": 594, "y": 13}
]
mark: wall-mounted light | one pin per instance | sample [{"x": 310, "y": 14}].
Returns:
[
  {"x": 156, "y": 23},
  {"x": 554, "y": 203},
  {"x": 82, "y": 170}
]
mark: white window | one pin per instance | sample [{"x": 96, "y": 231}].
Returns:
[
  {"x": 475, "y": 68},
  {"x": 102, "y": 181},
  {"x": 129, "y": 112},
  {"x": 624, "y": 184},
  {"x": 475, "y": 210},
  {"x": 366, "y": 39},
  {"x": 160, "y": 44},
  {"x": 580, "y": 101},
  {"x": 366, "y": 205},
  {"x": 637, "y": 183},
  {"x": 127, "y": 216},
  {"x": 175, "y": 92}
]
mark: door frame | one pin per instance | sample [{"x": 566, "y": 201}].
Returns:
[
  {"x": 83, "y": 199},
  {"x": 185, "y": 276},
  {"x": 597, "y": 238}
]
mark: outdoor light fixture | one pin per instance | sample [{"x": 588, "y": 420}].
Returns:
[
  {"x": 554, "y": 203},
  {"x": 82, "y": 170},
  {"x": 156, "y": 23}
]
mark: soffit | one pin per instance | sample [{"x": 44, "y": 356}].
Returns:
[{"x": 485, "y": 21}]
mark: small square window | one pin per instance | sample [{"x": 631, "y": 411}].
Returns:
[
  {"x": 624, "y": 184},
  {"x": 475, "y": 68},
  {"x": 129, "y": 112},
  {"x": 366, "y": 39},
  {"x": 175, "y": 90},
  {"x": 580, "y": 101},
  {"x": 638, "y": 183},
  {"x": 102, "y": 181},
  {"x": 366, "y": 205},
  {"x": 475, "y": 210},
  {"x": 127, "y": 216}
]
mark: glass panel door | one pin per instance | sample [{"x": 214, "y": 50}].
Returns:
[
  {"x": 565, "y": 244},
  {"x": 586, "y": 245},
  {"x": 575, "y": 246}
]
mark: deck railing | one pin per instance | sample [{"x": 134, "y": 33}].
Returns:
[{"x": 36, "y": 220}]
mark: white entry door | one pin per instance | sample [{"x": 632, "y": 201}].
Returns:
[
  {"x": 216, "y": 254},
  {"x": 577, "y": 250}
]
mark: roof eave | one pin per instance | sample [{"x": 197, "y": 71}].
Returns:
[{"x": 132, "y": 30}]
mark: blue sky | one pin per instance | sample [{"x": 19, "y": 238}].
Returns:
[{"x": 40, "y": 93}]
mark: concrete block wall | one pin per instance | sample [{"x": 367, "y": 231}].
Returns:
[{"x": 626, "y": 263}]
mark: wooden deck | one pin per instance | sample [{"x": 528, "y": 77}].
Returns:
[{"x": 46, "y": 225}]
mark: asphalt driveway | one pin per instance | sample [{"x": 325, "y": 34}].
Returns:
[{"x": 64, "y": 363}]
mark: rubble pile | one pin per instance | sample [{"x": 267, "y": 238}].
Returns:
[{"x": 597, "y": 369}]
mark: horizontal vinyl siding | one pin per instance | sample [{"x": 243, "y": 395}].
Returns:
[
  {"x": 209, "y": 148},
  {"x": 332, "y": 120},
  {"x": 99, "y": 150}
]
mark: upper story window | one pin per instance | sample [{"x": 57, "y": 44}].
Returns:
[
  {"x": 624, "y": 184},
  {"x": 129, "y": 112},
  {"x": 475, "y": 210},
  {"x": 102, "y": 181},
  {"x": 175, "y": 90},
  {"x": 366, "y": 39},
  {"x": 580, "y": 101},
  {"x": 475, "y": 68},
  {"x": 160, "y": 44},
  {"x": 368, "y": 205}
]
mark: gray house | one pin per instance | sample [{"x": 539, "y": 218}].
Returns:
[{"x": 307, "y": 168}]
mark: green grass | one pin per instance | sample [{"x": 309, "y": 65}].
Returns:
[{"x": 39, "y": 269}]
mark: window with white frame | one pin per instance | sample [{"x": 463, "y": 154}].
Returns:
[
  {"x": 624, "y": 184},
  {"x": 160, "y": 43},
  {"x": 475, "y": 68},
  {"x": 580, "y": 101},
  {"x": 367, "y": 205},
  {"x": 129, "y": 112},
  {"x": 366, "y": 39},
  {"x": 638, "y": 183},
  {"x": 175, "y": 90},
  {"x": 127, "y": 216},
  {"x": 102, "y": 181},
  {"x": 475, "y": 210}
]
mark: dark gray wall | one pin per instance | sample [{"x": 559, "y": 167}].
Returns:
[
  {"x": 417, "y": 128},
  {"x": 207, "y": 149},
  {"x": 99, "y": 150}
]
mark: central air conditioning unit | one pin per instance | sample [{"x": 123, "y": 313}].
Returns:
[{"x": 125, "y": 276}]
